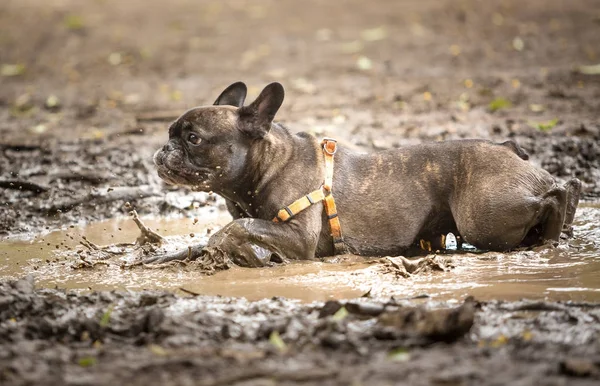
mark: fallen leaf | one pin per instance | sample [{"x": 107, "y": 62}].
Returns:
[
  {"x": 276, "y": 341},
  {"x": 518, "y": 44},
  {"x": 373, "y": 34},
  {"x": 176, "y": 95},
  {"x": 86, "y": 361},
  {"x": 455, "y": 50},
  {"x": 500, "y": 341},
  {"x": 12, "y": 69},
  {"x": 399, "y": 355},
  {"x": 52, "y": 102},
  {"x": 543, "y": 126},
  {"x": 105, "y": 320},
  {"x": 340, "y": 314},
  {"x": 73, "y": 22},
  {"x": 39, "y": 129},
  {"x": 157, "y": 350},
  {"x": 590, "y": 70},
  {"x": 499, "y": 104},
  {"x": 115, "y": 58},
  {"x": 536, "y": 108},
  {"x": 352, "y": 47}
]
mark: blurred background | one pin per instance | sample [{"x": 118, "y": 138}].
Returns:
[
  {"x": 403, "y": 66},
  {"x": 93, "y": 84}
]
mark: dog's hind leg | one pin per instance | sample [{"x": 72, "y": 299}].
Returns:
[
  {"x": 554, "y": 209},
  {"x": 573, "y": 188}
]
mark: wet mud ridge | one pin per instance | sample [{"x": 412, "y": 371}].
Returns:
[{"x": 56, "y": 337}]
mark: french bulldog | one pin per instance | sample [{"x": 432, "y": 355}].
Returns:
[{"x": 388, "y": 202}]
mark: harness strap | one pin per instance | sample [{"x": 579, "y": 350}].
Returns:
[
  {"x": 299, "y": 205},
  {"x": 324, "y": 193}
]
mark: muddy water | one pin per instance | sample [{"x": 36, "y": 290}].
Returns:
[{"x": 569, "y": 272}]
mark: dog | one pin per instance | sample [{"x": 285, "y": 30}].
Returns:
[{"x": 385, "y": 203}]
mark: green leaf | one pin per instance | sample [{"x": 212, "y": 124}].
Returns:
[
  {"x": 340, "y": 314},
  {"x": 105, "y": 320},
  {"x": 157, "y": 350},
  {"x": 276, "y": 341},
  {"x": 499, "y": 104},
  {"x": 86, "y": 361},
  {"x": 12, "y": 69},
  {"x": 73, "y": 22},
  {"x": 399, "y": 354},
  {"x": 543, "y": 126}
]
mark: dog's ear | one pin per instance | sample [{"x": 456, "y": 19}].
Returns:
[
  {"x": 234, "y": 95},
  {"x": 256, "y": 118}
]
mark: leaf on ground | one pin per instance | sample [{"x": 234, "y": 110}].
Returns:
[
  {"x": 276, "y": 341},
  {"x": 12, "y": 69},
  {"x": 340, "y": 314},
  {"x": 399, "y": 354},
  {"x": 105, "y": 320},
  {"x": 518, "y": 44},
  {"x": 500, "y": 341},
  {"x": 86, "y": 361},
  {"x": 352, "y": 47},
  {"x": 73, "y": 22},
  {"x": 499, "y": 104},
  {"x": 543, "y": 126},
  {"x": 373, "y": 34},
  {"x": 590, "y": 70},
  {"x": 157, "y": 350},
  {"x": 537, "y": 108}
]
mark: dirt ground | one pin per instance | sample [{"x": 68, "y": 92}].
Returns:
[
  {"x": 87, "y": 90},
  {"x": 53, "y": 337}
]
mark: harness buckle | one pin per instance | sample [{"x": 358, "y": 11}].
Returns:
[{"x": 326, "y": 141}]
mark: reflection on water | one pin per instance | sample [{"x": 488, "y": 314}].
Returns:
[{"x": 564, "y": 273}]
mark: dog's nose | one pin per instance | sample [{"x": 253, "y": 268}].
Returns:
[{"x": 169, "y": 146}]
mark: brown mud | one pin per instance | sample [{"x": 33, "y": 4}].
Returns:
[
  {"x": 87, "y": 90},
  {"x": 55, "y": 337}
]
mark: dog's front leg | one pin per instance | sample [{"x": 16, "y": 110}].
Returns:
[{"x": 251, "y": 242}]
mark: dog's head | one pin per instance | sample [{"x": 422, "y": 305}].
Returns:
[{"x": 208, "y": 145}]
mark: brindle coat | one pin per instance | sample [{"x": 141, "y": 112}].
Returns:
[{"x": 388, "y": 201}]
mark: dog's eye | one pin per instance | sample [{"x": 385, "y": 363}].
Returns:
[{"x": 194, "y": 139}]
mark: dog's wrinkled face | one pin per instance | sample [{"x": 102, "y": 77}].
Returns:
[
  {"x": 204, "y": 148},
  {"x": 207, "y": 146}
]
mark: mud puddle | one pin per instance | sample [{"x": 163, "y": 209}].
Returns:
[{"x": 569, "y": 272}]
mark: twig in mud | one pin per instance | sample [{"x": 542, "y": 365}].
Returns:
[
  {"x": 88, "y": 244},
  {"x": 165, "y": 265},
  {"x": 23, "y": 185},
  {"x": 88, "y": 176},
  {"x": 20, "y": 147},
  {"x": 83, "y": 263},
  {"x": 148, "y": 235},
  {"x": 187, "y": 291},
  {"x": 105, "y": 249}
]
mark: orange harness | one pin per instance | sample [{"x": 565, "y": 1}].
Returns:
[{"x": 322, "y": 194}]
